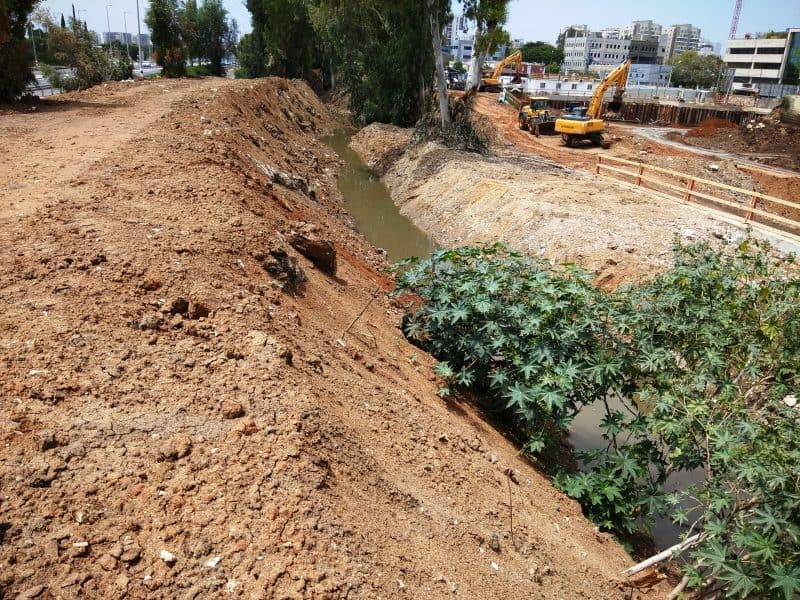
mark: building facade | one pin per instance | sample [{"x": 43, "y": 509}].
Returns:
[
  {"x": 594, "y": 53},
  {"x": 650, "y": 74},
  {"x": 681, "y": 38},
  {"x": 641, "y": 29},
  {"x": 645, "y": 51},
  {"x": 760, "y": 62}
]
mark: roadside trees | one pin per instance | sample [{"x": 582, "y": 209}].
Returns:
[
  {"x": 15, "y": 59},
  {"x": 213, "y": 31},
  {"x": 163, "y": 20}
]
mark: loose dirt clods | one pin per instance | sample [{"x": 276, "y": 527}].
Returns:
[{"x": 232, "y": 446}]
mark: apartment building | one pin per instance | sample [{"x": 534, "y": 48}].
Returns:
[
  {"x": 680, "y": 39},
  {"x": 594, "y": 52},
  {"x": 641, "y": 29}
]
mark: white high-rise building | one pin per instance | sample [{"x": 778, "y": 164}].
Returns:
[
  {"x": 680, "y": 39},
  {"x": 641, "y": 29}
]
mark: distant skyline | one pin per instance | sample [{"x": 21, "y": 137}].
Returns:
[{"x": 527, "y": 19}]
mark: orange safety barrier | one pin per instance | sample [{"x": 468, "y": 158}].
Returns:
[{"x": 786, "y": 226}]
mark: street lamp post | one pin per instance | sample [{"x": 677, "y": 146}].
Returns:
[
  {"x": 78, "y": 12},
  {"x": 108, "y": 22},
  {"x": 125, "y": 33},
  {"x": 139, "y": 38}
]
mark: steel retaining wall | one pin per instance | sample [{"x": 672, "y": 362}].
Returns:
[{"x": 666, "y": 114}]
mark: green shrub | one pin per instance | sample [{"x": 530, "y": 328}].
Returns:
[{"x": 701, "y": 363}]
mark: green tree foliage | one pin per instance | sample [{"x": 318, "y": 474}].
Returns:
[
  {"x": 695, "y": 369},
  {"x": 15, "y": 56},
  {"x": 393, "y": 66},
  {"x": 247, "y": 54},
  {"x": 689, "y": 69},
  {"x": 283, "y": 38},
  {"x": 489, "y": 17},
  {"x": 542, "y": 52},
  {"x": 163, "y": 19},
  {"x": 75, "y": 48},
  {"x": 213, "y": 34},
  {"x": 380, "y": 51},
  {"x": 190, "y": 30}
]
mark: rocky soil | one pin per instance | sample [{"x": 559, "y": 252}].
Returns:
[{"x": 191, "y": 405}]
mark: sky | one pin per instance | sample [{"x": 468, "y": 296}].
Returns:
[{"x": 529, "y": 19}]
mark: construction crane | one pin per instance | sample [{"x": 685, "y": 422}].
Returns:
[{"x": 737, "y": 10}]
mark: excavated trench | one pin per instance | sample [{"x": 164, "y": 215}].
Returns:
[
  {"x": 378, "y": 218},
  {"x": 368, "y": 201}
]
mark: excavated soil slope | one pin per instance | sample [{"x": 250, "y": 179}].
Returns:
[
  {"x": 175, "y": 425},
  {"x": 537, "y": 206}
]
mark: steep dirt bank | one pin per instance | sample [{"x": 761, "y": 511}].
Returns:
[
  {"x": 537, "y": 206},
  {"x": 174, "y": 424}
]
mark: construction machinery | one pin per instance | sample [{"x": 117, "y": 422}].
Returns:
[
  {"x": 493, "y": 83},
  {"x": 535, "y": 116},
  {"x": 585, "y": 123}
]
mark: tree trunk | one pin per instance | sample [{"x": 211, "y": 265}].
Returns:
[
  {"x": 475, "y": 63},
  {"x": 441, "y": 80}
]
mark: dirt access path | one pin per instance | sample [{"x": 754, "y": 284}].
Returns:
[{"x": 175, "y": 424}]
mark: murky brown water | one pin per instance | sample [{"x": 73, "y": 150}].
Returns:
[{"x": 368, "y": 201}]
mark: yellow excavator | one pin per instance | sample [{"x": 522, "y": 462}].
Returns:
[
  {"x": 492, "y": 83},
  {"x": 585, "y": 123}
]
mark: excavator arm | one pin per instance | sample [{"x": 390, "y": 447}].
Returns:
[
  {"x": 511, "y": 58},
  {"x": 619, "y": 78},
  {"x": 494, "y": 80}
]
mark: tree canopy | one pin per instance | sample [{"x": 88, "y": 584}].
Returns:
[
  {"x": 689, "y": 69},
  {"x": 380, "y": 51},
  {"x": 15, "y": 58},
  {"x": 163, "y": 19}
]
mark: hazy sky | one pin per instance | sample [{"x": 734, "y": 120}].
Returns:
[{"x": 530, "y": 19}]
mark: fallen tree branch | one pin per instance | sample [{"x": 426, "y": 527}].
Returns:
[
  {"x": 668, "y": 553},
  {"x": 678, "y": 588}
]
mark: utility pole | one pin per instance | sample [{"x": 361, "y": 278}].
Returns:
[
  {"x": 108, "y": 22},
  {"x": 125, "y": 33},
  {"x": 33, "y": 43},
  {"x": 139, "y": 38}
]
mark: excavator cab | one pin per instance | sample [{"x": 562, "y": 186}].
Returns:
[{"x": 576, "y": 113}]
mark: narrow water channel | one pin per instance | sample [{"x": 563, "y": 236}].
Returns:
[
  {"x": 378, "y": 219},
  {"x": 368, "y": 201}
]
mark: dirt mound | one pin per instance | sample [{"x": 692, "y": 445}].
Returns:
[
  {"x": 709, "y": 127},
  {"x": 179, "y": 422},
  {"x": 768, "y": 141}
]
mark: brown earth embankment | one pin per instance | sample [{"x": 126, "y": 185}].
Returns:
[{"x": 176, "y": 424}]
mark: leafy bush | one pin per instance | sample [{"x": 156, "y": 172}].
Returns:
[
  {"x": 15, "y": 57},
  {"x": 74, "y": 47},
  {"x": 697, "y": 368},
  {"x": 199, "y": 71}
]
